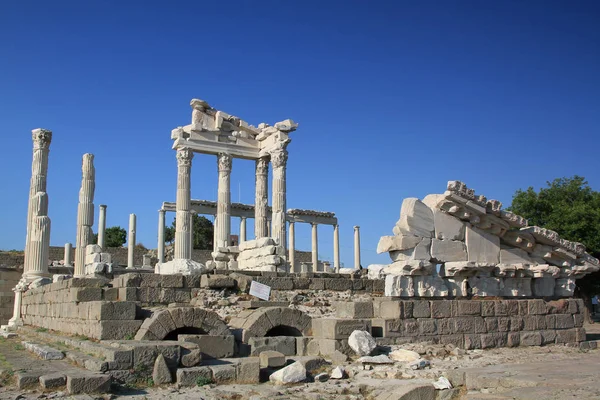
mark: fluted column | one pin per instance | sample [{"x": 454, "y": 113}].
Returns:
[
  {"x": 191, "y": 233},
  {"x": 356, "y": 247},
  {"x": 278, "y": 230},
  {"x": 131, "y": 241},
  {"x": 242, "y": 229},
  {"x": 292, "y": 247},
  {"x": 315, "y": 248},
  {"x": 262, "y": 197},
  {"x": 161, "y": 236},
  {"x": 85, "y": 212},
  {"x": 183, "y": 248},
  {"x": 39, "y": 170},
  {"x": 67, "y": 256},
  {"x": 39, "y": 238},
  {"x": 102, "y": 227},
  {"x": 336, "y": 248},
  {"x": 223, "y": 227}
]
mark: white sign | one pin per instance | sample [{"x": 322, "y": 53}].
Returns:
[{"x": 259, "y": 290}]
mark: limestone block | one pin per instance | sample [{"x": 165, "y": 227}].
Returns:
[
  {"x": 356, "y": 309},
  {"x": 543, "y": 287},
  {"x": 448, "y": 227},
  {"x": 293, "y": 373},
  {"x": 485, "y": 286},
  {"x": 448, "y": 250},
  {"x": 257, "y": 252},
  {"x": 211, "y": 346},
  {"x": 248, "y": 370},
  {"x": 85, "y": 382},
  {"x": 482, "y": 247},
  {"x": 93, "y": 258},
  {"x": 189, "y": 376},
  {"x": 329, "y": 328},
  {"x": 106, "y": 258},
  {"x": 516, "y": 287},
  {"x": 514, "y": 256},
  {"x": 285, "y": 345},
  {"x": 375, "y": 271},
  {"x": 420, "y": 252},
  {"x": 564, "y": 287},
  {"x": 92, "y": 249},
  {"x": 464, "y": 268},
  {"x": 257, "y": 243},
  {"x": 409, "y": 267},
  {"x": 181, "y": 266},
  {"x": 399, "y": 286},
  {"x": 271, "y": 359},
  {"x": 415, "y": 218},
  {"x": 399, "y": 242}
]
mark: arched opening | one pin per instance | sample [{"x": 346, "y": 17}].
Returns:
[
  {"x": 283, "y": 330},
  {"x": 189, "y": 330}
]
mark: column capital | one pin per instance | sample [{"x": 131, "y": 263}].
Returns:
[
  {"x": 279, "y": 158},
  {"x": 41, "y": 138},
  {"x": 262, "y": 166},
  {"x": 224, "y": 162},
  {"x": 184, "y": 156},
  {"x": 102, "y": 206},
  {"x": 314, "y": 224},
  {"x": 162, "y": 211},
  {"x": 356, "y": 227},
  {"x": 243, "y": 218}
]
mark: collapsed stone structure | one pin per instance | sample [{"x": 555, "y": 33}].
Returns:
[{"x": 459, "y": 244}]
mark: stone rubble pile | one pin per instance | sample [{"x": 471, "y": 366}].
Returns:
[
  {"x": 459, "y": 244},
  {"x": 260, "y": 255},
  {"x": 97, "y": 262}
]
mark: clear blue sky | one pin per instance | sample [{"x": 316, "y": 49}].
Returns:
[{"x": 393, "y": 99}]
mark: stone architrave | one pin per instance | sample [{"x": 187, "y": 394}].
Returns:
[
  {"x": 357, "y": 248},
  {"x": 448, "y": 250},
  {"x": 223, "y": 225},
  {"x": 131, "y": 241},
  {"x": 398, "y": 242},
  {"x": 262, "y": 197},
  {"x": 39, "y": 170},
  {"x": 183, "y": 247},
  {"x": 514, "y": 256},
  {"x": 421, "y": 252},
  {"x": 415, "y": 219},
  {"x": 482, "y": 247},
  {"x": 446, "y": 226},
  {"x": 279, "y": 158},
  {"x": 102, "y": 227},
  {"x": 85, "y": 212}
]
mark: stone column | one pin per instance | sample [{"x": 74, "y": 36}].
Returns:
[
  {"x": 261, "y": 203},
  {"x": 85, "y": 212},
  {"x": 39, "y": 239},
  {"x": 161, "y": 236},
  {"x": 315, "y": 248},
  {"x": 17, "y": 319},
  {"x": 191, "y": 233},
  {"x": 279, "y": 161},
  {"x": 357, "y": 247},
  {"x": 102, "y": 227},
  {"x": 39, "y": 170},
  {"x": 292, "y": 247},
  {"x": 269, "y": 226},
  {"x": 336, "y": 248},
  {"x": 242, "y": 229},
  {"x": 182, "y": 232},
  {"x": 223, "y": 227},
  {"x": 67, "y": 256},
  {"x": 131, "y": 241}
]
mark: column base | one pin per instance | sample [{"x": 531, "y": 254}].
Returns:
[
  {"x": 32, "y": 276},
  {"x": 180, "y": 266}
]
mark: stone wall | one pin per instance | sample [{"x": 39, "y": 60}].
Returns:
[{"x": 8, "y": 280}]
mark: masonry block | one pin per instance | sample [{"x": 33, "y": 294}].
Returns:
[
  {"x": 386, "y": 327},
  {"x": 537, "y": 307},
  {"x": 469, "y": 307},
  {"x": 329, "y": 328},
  {"x": 530, "y": 339},
  {"x": 217, "y": 282},
  {"x": 285, "y": 345},
  {"x": 389, "y": 309},
  {"x": 548, "y": 336},
  {"x": 248, "y": 371},
  {"x": 566, "y": 336},
  {"x": 189, "y": 376},
  {"x": 488, "y": 308},
  {"x": 441, "y": 308},
  {"x": 358, "y": 309},
  {"x": 472, "y": 341},
  {"x": 212, "y": 346},
  {"x": 421, "y": 309},
  {"x": 564, "y": 321}
]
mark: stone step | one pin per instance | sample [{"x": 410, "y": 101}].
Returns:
[
  {"x": 43, "y": 351},
  {"x": 75, "y": 381}
]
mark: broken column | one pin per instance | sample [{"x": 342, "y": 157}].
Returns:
[
  {"x": 242, "y": 229},
  {"x": 39, "y": 239},
  {"x": 39, "y": 170},
  {"x": 67, "y": 255},
  {"x": 223, "y": 225},
  {"x": 183, "y": 246},
  {"x": 161, "y": 236},
  {"x": 279, "y": 161},
  {"x": 336, "y": 248},
  {"x": 315, "y": 247},
  {"x": 131, "y": 241},
  {"x": 102, "y": 227},
  {"x": 85, "y": 212},
  {"x": 356, "y": 247},
  {"x": 262, "y": 197}
]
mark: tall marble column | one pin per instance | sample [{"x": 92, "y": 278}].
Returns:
[
  {"x": 85, "y": 212},
  {"x": 262, "y": 197},
  {"x": 191, "y": 233},
  {"x": 242, "y": 229},
  {"x": 279, "y": 160},
  {"x": 131, "y": 241},
  {"x": 39, "y": 170},
  {"x": 223, "y": 227},
  {"x": 161, "y": 236},
  {"x": 39, "y": 239},
  {"x": 315, "y": 248},
  {"x": 102, "y": 227},
  {"x": 183, "y": 248},
  {"x": 356, "y": 247},
  {"x": 292, "y": 247},
  {"x": 67, "y": 256},
  {"x": 336, "y": 248}
]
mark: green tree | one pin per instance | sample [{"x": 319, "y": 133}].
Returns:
[
  {"x": 570, "y": 207},
  {"x": 203, "y": 232},
  {"x": 115, "y": 236}
]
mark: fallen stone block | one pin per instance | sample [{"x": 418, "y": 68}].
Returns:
[
  {"x": 161, "y": 374},
  {"x": 223, "y": 373},
  {"x": 212, "y": 346},
  {"x": 448, "y": 250},
  {"x": 44, "y": 352},
  {"x": 362, "y": 342},
  {"x": 415, "y": 218},
  {"x": 248, "y": 370},
  {"x": 53, "y": 381},
  {"x": 193, "y": 376},
  {"x": 293, "y": 373},
  {"x": 28, "y": 379},
  {"x": 271, "y": 359},
  {"x": 283, "y": 344},
  {"x": 88, "y": 383}
]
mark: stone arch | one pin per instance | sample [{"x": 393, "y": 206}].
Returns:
[
  {"x": 167, "y": 320},
  {"x": 259, "y": 322}
]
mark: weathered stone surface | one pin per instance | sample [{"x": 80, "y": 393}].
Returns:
[
  {"x": 422, "y": 251},
  {"x": 516, "y": 287},
  {"x": 248, "y": 370},
  {"x": 285, "y": 345},
  {"x": 415, "y": 218},
  {"x": 375, "y": 271},
  {"x": 181, "y": 266},
  {"x": 212, "y": 346},
  {"x": 329, "y": 328},
  {"x": 27, "y": 379},
  {"x": 257, "y": 243},
  {"x": 271, "y": 359},
  {"x": 543, "y": 287},
  {"x": 398, "y": 242},
  {"x": 380, "y": 359},
  {"x": 216, "y": 281},
  {"x": 485, "y": 286},
  {"x": 190, "y": 376},
  {"x": 355, "y": 309},
  {"x": 482, "y": 247},
  {"x": 409, "y": 267},
  {"x": 53, "y": 381},
  {"x": 85, "y": 382},
  {"x": 514, "y": 256},
  {"x": 293, "y": 373},
  {"x": 362, "y": 342},
  {"x": 404, "y": 355},
  {"x": 44, "y": 352},
  {"x": 223, "y": 373},
  {"x": 531, "y": 339},
  {"x": 161, "y": 374},
  {"x": 448, "y": 250}
]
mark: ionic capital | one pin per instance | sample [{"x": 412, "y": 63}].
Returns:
[
  {"x": 184, "y": 157},
  {"x": 41, "y": 138},
  {"x": 224, "y": 161}
]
